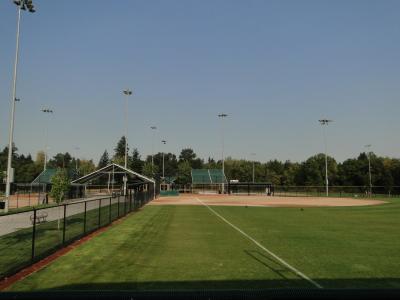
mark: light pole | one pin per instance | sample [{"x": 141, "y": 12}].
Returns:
[
  {"x": 76, "y": 148},
  {"x": 325, "y": 122},
  {"x": 22, "y": 5},
  {"x": 152, "y": 149},
  {"x": 222, "y": 116},
  {"x": 127, "y": 93},
  {"x": 369, "y": 169},
  {"x": 47, "y": 111},
  {"x": 163, "y": 174},
  {"x": 253, "y": 154}
]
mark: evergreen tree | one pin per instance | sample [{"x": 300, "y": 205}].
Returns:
[
  {"x": 119, "y": 150},
  {"x": 135, "y": 162},
  {"x": 104, "y": 160}
]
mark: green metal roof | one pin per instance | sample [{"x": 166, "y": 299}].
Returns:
[
  {"x": 45, "y": 176},
  {"x": 208, "y": 176},
  {"x": 169, "y": 180}
]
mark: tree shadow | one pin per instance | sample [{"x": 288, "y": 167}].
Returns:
[{"x": 271, "y": 264}]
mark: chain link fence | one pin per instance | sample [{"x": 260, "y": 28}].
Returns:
[
  {"x": 27, "y": 237},
  {"x": 337, "y": 191}
]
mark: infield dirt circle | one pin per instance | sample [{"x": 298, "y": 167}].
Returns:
[{"x": 262, "y": 200}]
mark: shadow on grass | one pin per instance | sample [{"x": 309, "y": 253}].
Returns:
[
  {"x": 240, "y": 289},
  {"x": 270, "y": 263}
]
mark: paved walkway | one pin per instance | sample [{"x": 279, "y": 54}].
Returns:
[{"x": 14, "y": 222}]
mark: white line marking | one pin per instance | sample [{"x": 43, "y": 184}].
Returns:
[{"x": 263, "y": 248}]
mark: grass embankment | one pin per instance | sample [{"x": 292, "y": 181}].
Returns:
[{"x": 188, "y": 247}]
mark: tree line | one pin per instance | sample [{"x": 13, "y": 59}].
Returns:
[{"x": 311, "y": 172}]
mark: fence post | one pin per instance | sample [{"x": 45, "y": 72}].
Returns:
[
  {"x": 99, "y": 213},
  {"x": 118, "y": 206},
  {"x": 125, "y": 199},
  {"x": 65, "y": 223},
  {"x": 109, "y": 212},
  {"x": 130, "y": 200},
  {"x": 84, "y": 219},
  {"x": 33, "y": 234}
]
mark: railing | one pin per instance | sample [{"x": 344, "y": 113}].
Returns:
[
  {"x": 27, "y": 237},
  {"x": 337, "y": 191}
]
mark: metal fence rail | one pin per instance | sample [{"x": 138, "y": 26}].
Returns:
[
  {"x": 337, "y": 191},
  {"x": 45, "y": 230}
]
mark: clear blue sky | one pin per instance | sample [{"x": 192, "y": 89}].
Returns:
[{"x": 275, "y": 67}]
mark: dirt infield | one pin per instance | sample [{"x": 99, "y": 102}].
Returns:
[{"x": 263, "y": 201}]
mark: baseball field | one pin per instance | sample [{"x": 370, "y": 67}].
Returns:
[{"x": 198, "y": 242}]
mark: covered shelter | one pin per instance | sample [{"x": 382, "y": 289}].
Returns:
[
  {"x": 208, "y": 180},
  {"x": 110, "y": 180}
]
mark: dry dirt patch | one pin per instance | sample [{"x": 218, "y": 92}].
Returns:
[{"x": 267, "y": 201}]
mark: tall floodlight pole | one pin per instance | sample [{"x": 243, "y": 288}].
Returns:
[
  {"x": 22, "y": 5},
  {"x": 163, "y": 174},
  {"x": 325, "y": 122},
  {"x": 153, "y": 128},
  {"x": 369, "y": 169},
  {"x": 46, "y": 111},
  {"x": 76, "y": 148},
  {"x": 222, "y": 116},
  {"x": 253, "y": 154},
  {"x": 127, "y": 93}
]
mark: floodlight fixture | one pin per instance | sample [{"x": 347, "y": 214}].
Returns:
[
  {"x": 325, "y": 121},
  {"x": 25, "y": 4}
]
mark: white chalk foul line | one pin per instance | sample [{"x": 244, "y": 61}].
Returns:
[{"x": 302, "y": 275}]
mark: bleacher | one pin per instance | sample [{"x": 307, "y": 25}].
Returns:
[{"x": 208, "y": 176}]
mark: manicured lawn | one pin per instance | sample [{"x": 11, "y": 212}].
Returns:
[{"x": 189, "y": 247}]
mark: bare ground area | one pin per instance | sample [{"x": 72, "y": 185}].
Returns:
[{"x": 260, "y": 200}]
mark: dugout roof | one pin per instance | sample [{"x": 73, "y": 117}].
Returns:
[
  {"x": 208, "y": 176},
  {"x": 45, "y": 176},
  {"x": 133, "y": 177}
]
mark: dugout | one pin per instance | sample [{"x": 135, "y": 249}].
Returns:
[
  {"x": 208, "y": 181},
  {"x": 250, "y": 188},
  {"x": 109, "y": 180}
]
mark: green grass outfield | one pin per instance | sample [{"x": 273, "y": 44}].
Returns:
[{"x": 189, "y": 247}]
